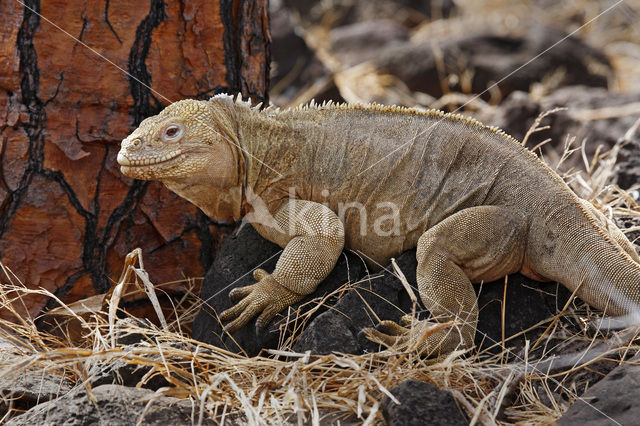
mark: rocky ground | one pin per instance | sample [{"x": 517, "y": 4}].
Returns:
[{"x": 545, "y": 80}]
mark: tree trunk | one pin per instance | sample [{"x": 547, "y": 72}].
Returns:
[{"x": 76, "y": 77}]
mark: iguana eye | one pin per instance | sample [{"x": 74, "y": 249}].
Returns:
[{"x": 172, "y": 133}]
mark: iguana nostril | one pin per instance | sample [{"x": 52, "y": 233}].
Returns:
[{"x": 132, "y": 145}]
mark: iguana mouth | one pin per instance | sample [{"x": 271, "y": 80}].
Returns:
[{"x": 130, "y": 161}]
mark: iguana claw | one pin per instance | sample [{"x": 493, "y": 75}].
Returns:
[
  {"x": 265, "y": 298},
  {"x": 427, "y": 337}
]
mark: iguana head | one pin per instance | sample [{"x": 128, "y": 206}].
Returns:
[
  {"x": 184, "y": 141},
  {"x": 192, "y": 147}
]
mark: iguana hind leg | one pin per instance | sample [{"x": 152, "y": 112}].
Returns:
[{"x": 475, "y": 244}]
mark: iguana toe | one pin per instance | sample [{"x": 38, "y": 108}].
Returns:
[
  {"x": 385, "y": 339},
  {"x": 427, "y": 337},
  {"x": 240, "y": 293},
  {"x": 407, "y": 320},
  {"x": 241, "y": 314},
  {"x": 267, "y": 315},
  {"x": 391, "y": 328},
  {"x": 265, "y": 298},
  {"x": 259, "y": 274}
]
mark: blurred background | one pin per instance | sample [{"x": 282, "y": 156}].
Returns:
[
  {"x": 503, "y": 62},
  {"x": 412, "y": 52}
]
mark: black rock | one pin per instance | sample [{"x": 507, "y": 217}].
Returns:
[
  {"x": 421, "y": 404},
  {"x": 127, "y": 374},
  {"x": 239, "y": 255},
  {"x": 528, "y": 302},
  {"x": 380, "y": 293},
  {"x": 329, "y": 332}
]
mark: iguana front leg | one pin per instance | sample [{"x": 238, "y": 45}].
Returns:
[
  {"x": 475, "y": 244},
  {"x": 312, "y": 237}
]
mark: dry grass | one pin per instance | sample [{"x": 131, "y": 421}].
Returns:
[
  {"x": 528, "y": 387},
  {"x": 294, "y": 386},
  {"x": 281, "y": 385},
  {"x": 277, "y": 386}
]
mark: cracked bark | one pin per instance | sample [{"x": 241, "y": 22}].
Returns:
[
  {"x": 106, "y": 20},
  {"x": 67, "y": 216},
  {"x": 36, "y": 114},
  {"x": 246, "y": 32}
]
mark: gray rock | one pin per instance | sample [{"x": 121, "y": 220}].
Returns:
[
  {"x": 421, "y": 404},
  {"x": 491, "y": 58},
  {"x": 125, "y": 330},
  {"x": 628, "y": 163},
  {"x": 344, "y": 12},
  {"x": 613, "y": 400},
  {"x": 360, "y": 42},
  {"x": 625, "y": 223},
  {"x": 29, "y": 388},
  {"x": 114, "y": 405},
  {"x": 517, "y": 112},
  {"x": 294, "y": 66}
]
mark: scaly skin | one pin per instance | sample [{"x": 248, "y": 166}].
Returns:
[{"x": 475, "y": 203}]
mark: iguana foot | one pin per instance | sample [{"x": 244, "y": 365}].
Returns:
[
  {"x": 427, "y": 337},
  {"x": 266, "y": 297}
]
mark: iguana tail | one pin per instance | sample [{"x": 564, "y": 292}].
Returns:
[{"x": 582, "y": 249}]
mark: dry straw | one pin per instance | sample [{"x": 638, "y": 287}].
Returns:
[
  {"x": 495, "y": 386},
  {"x": 281, "y": 385}
]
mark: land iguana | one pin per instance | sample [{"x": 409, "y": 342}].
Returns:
[{"x": 380, "y": 180}]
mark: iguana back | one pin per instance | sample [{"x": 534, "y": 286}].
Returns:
[{"x": 375, "y": 160}]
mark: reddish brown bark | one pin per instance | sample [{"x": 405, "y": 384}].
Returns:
[{"x": 67, "y": 215}]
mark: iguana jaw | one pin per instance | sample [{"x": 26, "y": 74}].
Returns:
[
  {"x": 133, "y": 160},
  {"x": 152, "y": 167},
  {"x": 129, "y": 162}
]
